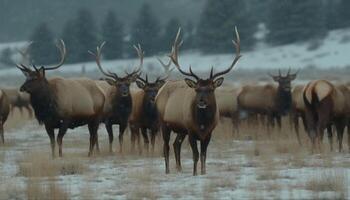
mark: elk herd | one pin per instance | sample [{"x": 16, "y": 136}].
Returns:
[{"x": 189, "y": 107}]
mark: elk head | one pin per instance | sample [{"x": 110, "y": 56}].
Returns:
[
  {"x": 204, "y": 88},
  {"x": 150, "y": 88},
  {"x": 284, "y": 82},
  {"x": 35, "y": 78},
  {"x": 121, "y": 83}
]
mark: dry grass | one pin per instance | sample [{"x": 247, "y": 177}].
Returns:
[
  {"x": 41, "y": 165},
  {"x": 38, "y": 190},
  {"x": 333, "y": 181}
]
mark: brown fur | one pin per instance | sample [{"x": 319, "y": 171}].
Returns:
[
  {"x": 4, "y": 111},
  {"x": 326, "y": 104},
  {"x": 226, "y": 98},
  {"x": 66, "y": 103},
  {"x": 19, "y": 100},
  {"x": 298, "y": 109},
  {"x": 175, "y": 102}
]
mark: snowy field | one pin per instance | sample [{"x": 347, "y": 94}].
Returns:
[
  {"x": 333, "y": 52},
  {"x": 251, "y": 165}
]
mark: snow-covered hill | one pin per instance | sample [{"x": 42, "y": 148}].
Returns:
[{"x": 332, "y": 52}]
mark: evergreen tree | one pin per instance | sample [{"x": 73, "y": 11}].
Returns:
[
  {"x": 85, "y": 36},
  {"x": 189, "y": 35},
  {"x": 332, "y": 16},
  {"x": 5, "y": 56},
  {"x": 344, "y": 13},
  {"x": 217, "y": 22},
  {"x": 112, "y": 33},
  {"x": 43, "y": 50},
  {"x": 294, "y": 21},
  {"x": 146, "y": 30},
  {"x": 169, "y": 34},
  {"x": 70, "y": 40}
]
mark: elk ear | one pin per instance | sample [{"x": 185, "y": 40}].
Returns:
[
  {"x": 42, "y": 72},
  {"x": 218, "y": 82},
  {"x": 133, "y": 78},
  {"x": 109, "y": 81},
  {"x": 190, "y": 83},
  {"x": 140, "y": 84},
  {"x": 276, "y": 78},
  {"x": 25, "y": 73},
  {"x": 160, "y": 83}
]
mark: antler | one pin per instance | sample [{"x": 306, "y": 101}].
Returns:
[
  {"x": 62, "y": 48},
  {"x": 98, "y": 60},
  {"x": 174, "y": 56},
  {"x": 237, "y": 44},
  {"x": 143, "y": 80},
  {"x": 140, "y": 53},
  {"x": 24, "y": 52},
  {"x": 166, "y": 66}
]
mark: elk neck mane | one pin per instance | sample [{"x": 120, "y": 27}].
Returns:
[
  {"x": 283, "y": 100},
  {"x": 121, "y": 105},
  {"x": 204, "y": 119},
  {"x": 150, "y": 109},
  {"x": 44, "y": 104}
]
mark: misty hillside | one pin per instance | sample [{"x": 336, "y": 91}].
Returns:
[{"x": 18, "y": 18}]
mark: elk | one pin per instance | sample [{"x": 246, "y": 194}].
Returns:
[
  {"x": 118, "y": 99},
  {"x": 271, "y": 100},
  {"x": 190, "y": 110},
  {"x": 144, "y": 112},
  {"x": 298, "y": 109},
  {"x": 18, "y": 100},
  {"x": 61, "y": 103},
  {"x": 325, "y": 104},
  {"x": 226, "y": 98},
  {"x": 4, "y": 112}
]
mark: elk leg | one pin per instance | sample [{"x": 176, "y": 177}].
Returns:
[
  {"x": 166, "y": 137},
  {"x": 193, "y": 143},
  {"x": 348, "y": 136},
  {"x": 204, "y": 146},
  {"x": 235, "y": 123},
  {"x": 110, "y": 135},
  {"x": 340, "y": 131},
  {"x": 30, "y": 111},
  {"x": 97, "y": 144},
  {"x": 177, "y": 150},
  {"x": 279, "y": 123},
  {"x": 145, "y": 138},
  {"x": 134, "y": 135},
  {"x": 93, "y": 127},
  {"x": 153, "y": 138},
  {"x": 51, "y": 133},
  {"x": 296, "y": 127},
  {"x": 330, "y": 136},
  {"x": 2, "y": 131},
  {"x": 61, "y": 132},
  {"x": 122, "y": 128}
]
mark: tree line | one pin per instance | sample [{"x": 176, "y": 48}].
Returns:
[{"x": 286, "y": 22}]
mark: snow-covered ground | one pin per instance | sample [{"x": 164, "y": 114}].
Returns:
[
  {"x": 332, "y": 52},
  {"x": 237, "y": 167}
]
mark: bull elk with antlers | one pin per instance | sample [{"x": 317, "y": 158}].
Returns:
[
  {"x": 271, "y": 100},
  {"x": 190, "y": 110},
  {"x": 63, "y": 103},
  {"x": 118, "y": 99}
]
